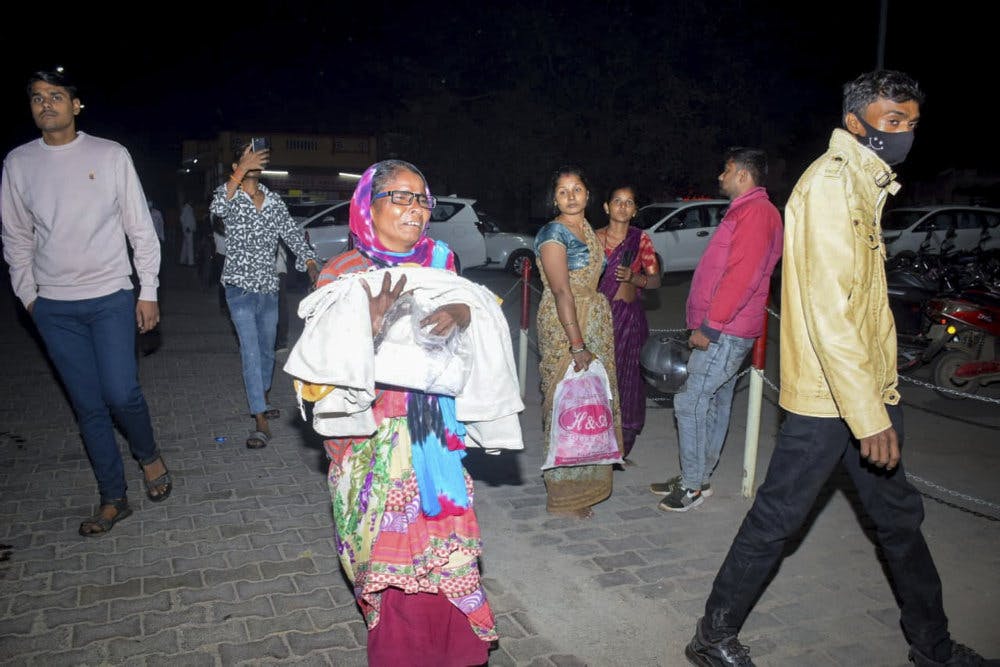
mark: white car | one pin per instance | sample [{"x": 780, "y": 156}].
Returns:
[
  {"x": 304, "y": 210},
  {"x": 905, "y": 228},
  {"x": 505, "y": 250},
  {"x": 470, "y": 233},
  {"x": 680, "y": 230}
]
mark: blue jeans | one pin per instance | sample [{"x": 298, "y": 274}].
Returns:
[
  {"x": 703, "y": 405},
  {"x": 808, "y": 450},
  {"x": 255, "y": 316},
  {"x": 92, "y": 344}
]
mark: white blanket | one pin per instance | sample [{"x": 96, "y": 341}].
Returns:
[{"x": 336, "y": 349}]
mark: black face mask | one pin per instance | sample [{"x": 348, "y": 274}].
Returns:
[{"x": 892, "y": 147}]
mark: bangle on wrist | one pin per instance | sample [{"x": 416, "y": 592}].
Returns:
[{"x": 577, "y": 350}]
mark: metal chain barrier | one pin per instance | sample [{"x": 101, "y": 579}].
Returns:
[
  {"x": 956, "y": 494},
  {"x": 963, "y": 394}
]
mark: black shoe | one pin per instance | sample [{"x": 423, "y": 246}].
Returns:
[
  {"x": 681, "y": 500},
  {"x": 725, "y": 652},
  {"x": 663, "y": 488},
  {"x": 961, "y": 656}
]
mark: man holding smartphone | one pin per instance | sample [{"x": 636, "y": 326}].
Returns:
[
  {"x": 255, "y": 219},
  {"x": 726, "y": 308}
]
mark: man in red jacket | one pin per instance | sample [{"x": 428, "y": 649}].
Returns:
[{"x": 725, "y": 312}]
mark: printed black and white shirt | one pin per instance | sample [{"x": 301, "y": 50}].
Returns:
[{"x": 252, "y": 239}]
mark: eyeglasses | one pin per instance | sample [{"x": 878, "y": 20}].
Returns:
[{"x": 405, "y": 198}]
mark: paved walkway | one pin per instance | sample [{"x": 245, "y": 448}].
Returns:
[{"x": 238, "y": 566}]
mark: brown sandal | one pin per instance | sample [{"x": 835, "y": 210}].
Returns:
[
  {"x": 153, "y": 486},
  {"x": 99, "y": 524}
]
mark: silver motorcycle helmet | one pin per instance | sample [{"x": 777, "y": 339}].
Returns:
[{"x": 663, "y": 363}]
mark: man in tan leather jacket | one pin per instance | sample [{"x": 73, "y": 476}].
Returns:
[{"x": 838, "y": 383}]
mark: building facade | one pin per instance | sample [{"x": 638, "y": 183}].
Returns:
[{"x": 303, "y": 167}]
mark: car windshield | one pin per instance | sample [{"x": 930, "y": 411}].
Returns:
[
  {"x": 650, "y": 215},
  {"x": 900, "y": 219}
]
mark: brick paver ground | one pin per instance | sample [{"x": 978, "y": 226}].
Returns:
[{"x": 238, "y": 565}]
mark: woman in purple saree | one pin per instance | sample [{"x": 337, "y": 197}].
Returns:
[{"x": 631, "y": 268}]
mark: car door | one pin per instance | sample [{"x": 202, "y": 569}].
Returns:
[
  {"x": 968, "y": 227},
  {"x": 992, "y": 221},
  {"x": 687, "y": 233},
  {"x": 938, "y": 225},
  {"x": 455, "y": 224}
]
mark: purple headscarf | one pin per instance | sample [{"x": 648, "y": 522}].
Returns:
[{"x": 363, "y": 231}]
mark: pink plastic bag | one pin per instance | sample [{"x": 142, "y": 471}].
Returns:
[{"x": 583, "y": 425}]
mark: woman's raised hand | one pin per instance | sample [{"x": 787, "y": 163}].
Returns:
[{"x": 381, "y": 302}]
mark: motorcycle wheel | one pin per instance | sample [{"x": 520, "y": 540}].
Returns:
[{"x": 944, "y": 375}]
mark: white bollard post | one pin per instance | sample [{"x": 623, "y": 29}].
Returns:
[
  {"x": 522, "y": 360},
  {"x": 753, "y": 431}
]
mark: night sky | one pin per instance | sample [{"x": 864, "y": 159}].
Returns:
[{"x": 489, "y": 100}]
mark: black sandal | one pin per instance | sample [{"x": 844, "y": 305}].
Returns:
[
  {"x": 152, "y": 485},
  {"x": 99, "y": 524}
]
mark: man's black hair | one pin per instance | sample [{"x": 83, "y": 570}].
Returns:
[
  {"x": 56, "y": 78},
  {"x": 872, "y": 86},
  {"x": 753, "y": 160}
]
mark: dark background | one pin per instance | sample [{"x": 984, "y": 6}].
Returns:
[{"x": 488, "y": 100}]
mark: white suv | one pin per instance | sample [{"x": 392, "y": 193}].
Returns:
[
  {"x": 681, "y": 230},
  {"x": 905, "y": 228},
  {"x": 470, "y": 233}
]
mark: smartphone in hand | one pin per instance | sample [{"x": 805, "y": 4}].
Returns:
[
  {"x": 626, "y": 258},
  {"x": 258, "y": 144}
]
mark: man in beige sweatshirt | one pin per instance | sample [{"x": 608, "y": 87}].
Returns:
[{"x": 71, "y": 203}]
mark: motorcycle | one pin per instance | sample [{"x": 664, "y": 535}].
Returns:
[
  {"x": 914, "y": 280},
  {"x": 968, "y": 322},
  {"x": 918, "y": 340}
]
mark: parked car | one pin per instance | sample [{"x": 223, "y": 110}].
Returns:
[
  {"x": 472, "y": 235},
  {"x": 302, "y": 211},
  {"x": 681, "y": 230},
  {"x": 505, "y": 250},
  {"x": 905, "y": 228}
]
